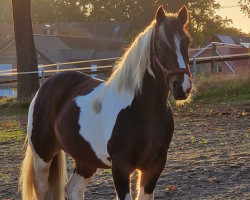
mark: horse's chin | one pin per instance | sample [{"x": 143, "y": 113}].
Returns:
[
  {"x": 180, "y": 95},
  {"x": 180, "y": 98},
  {"x": 183, "y": 101}
]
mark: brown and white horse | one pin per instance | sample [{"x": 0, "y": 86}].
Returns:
[{"x": 124, "y": 123}]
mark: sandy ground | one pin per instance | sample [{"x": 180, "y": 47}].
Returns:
[{"x": 209, "y": 157}]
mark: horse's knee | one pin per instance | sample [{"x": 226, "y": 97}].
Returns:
[{"x": 76, "y": 186}]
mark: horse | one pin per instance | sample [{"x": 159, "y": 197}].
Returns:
[{"x": 124, "y": 123}]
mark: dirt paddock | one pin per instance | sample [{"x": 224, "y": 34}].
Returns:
[{"x": 209, "y": 157}]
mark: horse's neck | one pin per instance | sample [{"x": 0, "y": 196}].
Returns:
[{"x": 154, "y": 93}]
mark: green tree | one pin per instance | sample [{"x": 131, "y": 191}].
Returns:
[
  {"x": 57, "y": 10},
  {"x": 203, "y": 20},
  {"x": 245, "y": 6}
]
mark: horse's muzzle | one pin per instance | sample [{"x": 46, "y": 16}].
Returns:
[{"x": 179, "y": 93}]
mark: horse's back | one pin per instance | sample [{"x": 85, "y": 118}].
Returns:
[{"x": 51, "y": 97}]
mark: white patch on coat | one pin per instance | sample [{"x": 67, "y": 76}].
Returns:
[
  {"x": 30, "y": 123},
  {"x": 186, "y": 84},
  {"x": 163, "y": 35},
  {"x": 178, "y": 52},
  {"x": 30, "y": 118},
  {"x": 144, "y": 196},
  {"x": 41, "y": 169},
  {"x": 96, "y": 127},
  {"x": 76, "y": 186}
]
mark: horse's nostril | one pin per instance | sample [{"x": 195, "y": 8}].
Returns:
[{"x": 176, "y": 85}]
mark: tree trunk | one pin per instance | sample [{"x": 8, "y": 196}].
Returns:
[{"x": 27, "y": 84}]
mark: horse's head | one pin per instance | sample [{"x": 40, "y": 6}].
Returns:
[{"x": 170, "y": 41}]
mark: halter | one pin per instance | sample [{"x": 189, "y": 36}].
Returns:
[{"x": 157, "y": 62}]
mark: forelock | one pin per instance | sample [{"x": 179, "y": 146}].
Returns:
[
  {"x": 167, "y": 30},
  {"x": 171, "y": 27}
]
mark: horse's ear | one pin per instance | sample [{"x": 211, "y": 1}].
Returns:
[
  {"x": 160, "y": 15},
  {"x": 183, "y": 15}
]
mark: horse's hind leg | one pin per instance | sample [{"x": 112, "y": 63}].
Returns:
[
  {"x": 78, "y": 182},
  {"x": 148, "y": 180},
  {"x": 50, "y": 176},
  {"x": 41, "y": 169}
]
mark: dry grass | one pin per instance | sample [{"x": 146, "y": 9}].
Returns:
[
  {"x": 12, "y": 106},
  {"x": 224, "y": 88}
]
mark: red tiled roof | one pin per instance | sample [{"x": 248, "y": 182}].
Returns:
[
  {"x": 192, "y": 52},
  {"x": 245, "y": 62}
]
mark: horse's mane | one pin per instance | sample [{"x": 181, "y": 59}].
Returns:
[{"x": 131, "y": 67}]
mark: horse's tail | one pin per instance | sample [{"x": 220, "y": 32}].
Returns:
[
  {"x": 57, "y": 177},
  {"x": 26, "y": 182}
]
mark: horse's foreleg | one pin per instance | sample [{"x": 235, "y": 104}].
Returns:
[
  {"x": 121, "y": 171},
  {"x": 77, "y": 183},
  {"x": 148, "y": 180}
]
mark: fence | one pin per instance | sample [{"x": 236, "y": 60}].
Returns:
[{"x": 100, "y": 69}]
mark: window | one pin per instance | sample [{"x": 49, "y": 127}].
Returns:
[{"x": 218, "y": 68}]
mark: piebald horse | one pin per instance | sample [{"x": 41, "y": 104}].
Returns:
[{"x": 124, "y": 123}]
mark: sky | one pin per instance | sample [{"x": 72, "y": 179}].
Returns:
[{"x": 232, "y": 11}]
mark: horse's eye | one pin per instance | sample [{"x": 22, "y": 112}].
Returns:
[{"x": 163, "y": 44}]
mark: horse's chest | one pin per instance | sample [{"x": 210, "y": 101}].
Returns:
[{"x": 141, "y": 138}]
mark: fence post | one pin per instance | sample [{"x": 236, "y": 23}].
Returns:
[
  {"x": 213, "y": 67},
  {"x": 42, "y": 81},
  {"x": 57, "y": 67},
  {"x": 195, "y": 77}
]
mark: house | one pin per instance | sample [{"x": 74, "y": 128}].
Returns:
[
  {"x": 103, "y": 30},
  {"x": 231, "y": 39},
  {"x": 224, "y": 45},
  {"x": 6, "y": 34},
  {"x": 53, "y": 48},
  {"x": 8, "y": 50}
]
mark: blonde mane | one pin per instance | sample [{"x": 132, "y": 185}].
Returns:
[{"x": 131, "y": 67}]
